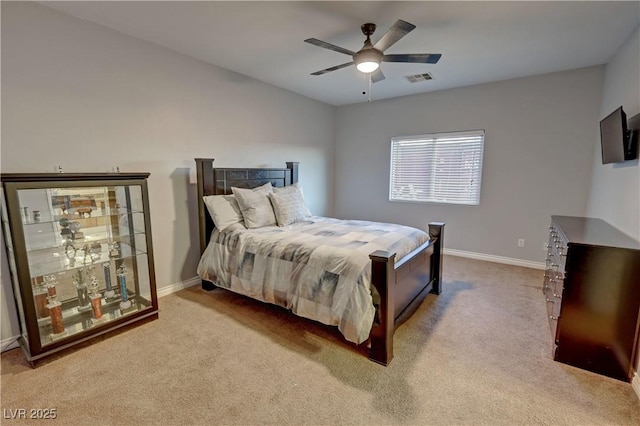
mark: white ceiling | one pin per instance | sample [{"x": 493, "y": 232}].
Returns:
[{"x": 480, "y": 41}]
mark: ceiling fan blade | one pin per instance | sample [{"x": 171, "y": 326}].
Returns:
[
  {"x": 421, "y": 58},
  {"x": 393, "y": 34},
  {"x": 329, "y": 46},
  {"x": 377, "y": 76},
  {"x": 337, "y": 67}
]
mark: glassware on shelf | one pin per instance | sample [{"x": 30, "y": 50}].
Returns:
[
  {"x": 69, "y": 250},
  {"x": 91, "y": 253},
  {"x": 75, "y": 227},
  {"x": 40, "y": 299},
  {"x": 109, "y": 292},
  {"x": 55, "y": 309},
  {"x": 93, "y": 281},
  {"x": 125, "y": 303},
  {"x": 96, "y": 305},
  {"x": 114, "y": 249},
  {"x": 96, "y": 251},
  {"x": 64, "y": 224},
  {"x": 83, "y": 297},
  {"x": 96, "y": 298},
  {"x": 84, "y": 304},
  {"x": 50, "y": 282}
]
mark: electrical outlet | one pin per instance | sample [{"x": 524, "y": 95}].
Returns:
[{"x": 520, "y": 242}]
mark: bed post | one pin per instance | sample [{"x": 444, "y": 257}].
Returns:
[
  {"x": 293, "y": 166},
  {"x": 206, "y": 185},
  {"x": 204, "y": 171},
  {"x": 436, "y": 231},
  {"x": 383, "y": 279}
]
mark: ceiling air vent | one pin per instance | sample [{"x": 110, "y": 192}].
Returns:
[{"x": 419, "y": 77}]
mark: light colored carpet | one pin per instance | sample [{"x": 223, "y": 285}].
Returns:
[{"x": 477, "y": 354}]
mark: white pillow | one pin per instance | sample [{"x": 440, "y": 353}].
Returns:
[
  {"x": 255, "y": 206},
  {"x": 224, "y": 210},
  {"x": 288, "y": 205}
]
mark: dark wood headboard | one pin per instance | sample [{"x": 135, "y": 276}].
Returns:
[{"x": 219, "y": 182}]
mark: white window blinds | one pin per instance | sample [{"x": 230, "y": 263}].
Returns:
[{"x": 437, "y": 168}]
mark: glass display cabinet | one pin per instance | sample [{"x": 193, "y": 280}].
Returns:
[{"x": 80, "y": 255}]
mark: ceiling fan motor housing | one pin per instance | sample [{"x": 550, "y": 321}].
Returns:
[
  {"x": 368, "y": 29},
  {"x": 367, "y": 55}
]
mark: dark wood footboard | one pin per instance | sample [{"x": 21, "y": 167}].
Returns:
[{"x": 402, "y": 287}]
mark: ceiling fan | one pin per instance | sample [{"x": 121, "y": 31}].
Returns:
[{"x": 367, "y": 59}]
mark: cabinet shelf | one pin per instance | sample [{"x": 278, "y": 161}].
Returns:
[
  {"x": 80, "y": 255},
  {"x": 52, "y": 267},
  {"x": 94, "y": 216},
  {"x": 76, "y": 320}
]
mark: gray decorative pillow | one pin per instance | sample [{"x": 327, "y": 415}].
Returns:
[
  {"x": 296, "y": 187},
  {"x": 289, "y": 205},
  {"x": 255, "y": 206}
]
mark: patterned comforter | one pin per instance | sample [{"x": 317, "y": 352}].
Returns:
[{"x": 319, "y": 269}]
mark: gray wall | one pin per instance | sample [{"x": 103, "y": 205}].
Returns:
[
  {"x": 538, "y": 156},
  {"x": 87, "y": 98},
  {"x": 614, "y": 194}
]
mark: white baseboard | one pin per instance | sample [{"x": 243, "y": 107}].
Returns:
[
  {"x": 495, "y": 259},
  {"x": 635, "y": 384},
  {"x": 9, "y": 343},
  {"x": 170, "y": 289}
]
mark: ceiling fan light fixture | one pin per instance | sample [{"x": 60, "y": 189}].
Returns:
[
  {"x": 367, "y": 67},
  {"x": 367, "y": 60}
]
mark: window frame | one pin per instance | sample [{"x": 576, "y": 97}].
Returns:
[{"x": 475, "y": 147}]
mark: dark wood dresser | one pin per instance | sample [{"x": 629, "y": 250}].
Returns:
[{"x": 592, "y": 290}]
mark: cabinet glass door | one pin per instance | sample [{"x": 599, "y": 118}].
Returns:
[{"x": 87, "y": 256}]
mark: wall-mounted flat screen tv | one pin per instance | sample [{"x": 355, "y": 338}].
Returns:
[{"x": 618, "y": 143}]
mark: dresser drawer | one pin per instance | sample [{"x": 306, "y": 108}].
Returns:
[
  {"x": 553, "y": 301},
  {"x": 557, "y": 248},
  {"x": 592, "y": 297}
]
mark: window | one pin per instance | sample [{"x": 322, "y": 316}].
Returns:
[{"x": 437, "y": 168}]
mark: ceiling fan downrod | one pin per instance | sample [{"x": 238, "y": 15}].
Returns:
[{"x": 368, "y": 58}]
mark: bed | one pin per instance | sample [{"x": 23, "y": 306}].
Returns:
[{"x": 382, "y": 296}]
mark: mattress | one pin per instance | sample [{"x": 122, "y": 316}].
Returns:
[{"x": 319, "y": 269}]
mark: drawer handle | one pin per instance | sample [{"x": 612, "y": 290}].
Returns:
[
  {"x": 550, "y": 300},
  {"x": 551, "y": 317}
]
